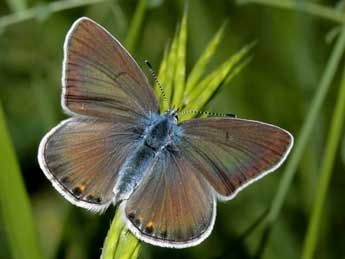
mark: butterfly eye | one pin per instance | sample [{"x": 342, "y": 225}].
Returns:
[{"x": 176, "y": 117}]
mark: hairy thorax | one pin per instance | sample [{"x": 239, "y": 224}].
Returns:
[{"x": 159, "y": 132}]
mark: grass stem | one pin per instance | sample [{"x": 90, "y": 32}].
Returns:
[
  {"x": 315, "y": 9},
  {"x": 14, "y": 202},
  {"x": 136, "y": 24},
  {"x": 120, "y": 243},
  {"x": 42, "y": 10},
  {"x": 333, "y": 140},
  {"x": 307, "y": 129}
]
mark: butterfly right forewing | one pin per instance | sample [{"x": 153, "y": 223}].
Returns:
[
  {"x": 100, "y": 78},
  {"x": 109, "y": 98}
]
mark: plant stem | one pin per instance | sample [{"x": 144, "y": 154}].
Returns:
[
  {"x": 307, "y": 7},
  {"x": 14, "y": 202},
  {"x": 306, "y": 131},
  {"x": 34, "y": 12},
  {"x": 136, "y": 24},
  {"x": 119, "y": 243},
  {"x": 308, "y": 126},
  {"x": 326, "y": 172},
  {"x": 17, "y": 5}
]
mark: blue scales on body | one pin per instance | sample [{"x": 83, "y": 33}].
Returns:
[{"x": 160, "y": 132}]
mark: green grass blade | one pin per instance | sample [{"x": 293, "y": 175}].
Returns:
[
  {"x": 303, "y": 6},
  {"x": 162, "y": 74},
  {"x": 180, "y": 66},
  {"x": 326, "y": 172},
  {"x": 305, "y": 134},
  {"x": 237, "y": 69},
  {"x": 14, "y": 201},
  {"x": 201, "y": 65},
  {"x": 136, "y": 24},
  {"x": 35, "y": 12},
  {"x": 308, "y": 127},
  {"x": 120, "y": 243},
  {"x": 170, "y": 73},
  {"x": 206, "y": 89}
]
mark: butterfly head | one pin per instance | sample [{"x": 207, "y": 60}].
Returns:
[{"x": 172, "y": 114}]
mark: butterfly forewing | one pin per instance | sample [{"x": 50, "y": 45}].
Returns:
[
  {"x": 82, "y": 158},
  {"x": 231, "y": 153},
  {"x": 173, "y": 206},
  {"x": 100, "y": 78}
]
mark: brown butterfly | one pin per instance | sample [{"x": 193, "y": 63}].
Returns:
[{"x": 117, "y": 146}]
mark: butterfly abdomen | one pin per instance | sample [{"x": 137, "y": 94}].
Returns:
[
  {"x": 154, "y": 139},
  {"x": 132, "y": 172}
]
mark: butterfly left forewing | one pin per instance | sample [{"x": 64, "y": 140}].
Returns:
[
  {"x": 232, "y": 153},
  {"x": 173, "y": 206}
]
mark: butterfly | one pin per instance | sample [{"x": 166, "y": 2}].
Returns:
[{"x": 118, "y": 147}]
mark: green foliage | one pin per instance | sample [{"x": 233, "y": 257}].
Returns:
[
  {"x": 120, "y": 243},
  {"x": 201, "y": 65},
  {"x": 193, "y": 93},
  {"x": 305, "y": 135},
  {"x": 15, "y": 204},
  {"x": 39, "y": 11},
  {"x": 17, "y": 5},
  {"x": 304, "y": 6},
  {"x": 201, "y": 92},
  {"x": 327, "y": 164},
  {"x": 137, "y": 21}
]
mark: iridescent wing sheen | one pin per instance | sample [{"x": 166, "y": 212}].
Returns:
[
  {"x": 173, "y": 206},
  {"x": 100, "y": 78},
  {"x": 82, "y": 158},
  {"x": 232, "y": 153}
]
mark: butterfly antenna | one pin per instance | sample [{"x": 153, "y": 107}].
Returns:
[
  {"x": 154, "y": 76},
  {"x": 209, "y": 114}
]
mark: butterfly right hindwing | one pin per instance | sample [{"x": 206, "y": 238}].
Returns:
[{"x": 173, "y": 206}]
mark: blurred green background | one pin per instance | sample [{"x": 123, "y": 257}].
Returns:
[{"x": 277, "y": 86}]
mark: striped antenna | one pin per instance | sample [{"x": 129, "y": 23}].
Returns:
[
  {"x": 209, "y": 114},
  {"x": 155, "y": 78}
]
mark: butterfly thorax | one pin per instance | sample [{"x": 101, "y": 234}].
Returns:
[{"x": 159, "y": 134}]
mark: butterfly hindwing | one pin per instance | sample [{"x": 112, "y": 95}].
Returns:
[
  {"x": 173, "y": 206},
  {"x": 83, "y": 156},
  {"x": 232, "y": 153}
]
